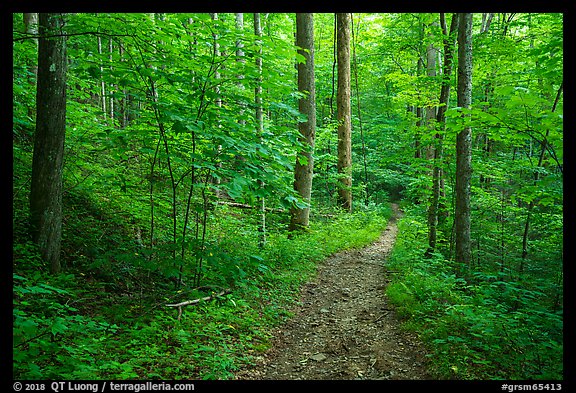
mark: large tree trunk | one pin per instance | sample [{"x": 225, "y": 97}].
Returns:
[
  {"x": 464, "y": 142},
  {"x": 344, "y": 165},
  {"x": 303, "y": 170},
  {"x": 46, "y": 185}
]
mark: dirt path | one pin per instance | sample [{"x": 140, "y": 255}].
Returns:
[{"x": 344, "y": 327}]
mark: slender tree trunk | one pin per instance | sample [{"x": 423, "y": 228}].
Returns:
[
  {"x": 240, "y": 58},
  {"x": 304, "y": 167},
  {"x": 123, "y": 102},
  {"x": 102, "y": 83},
  {"x": 464, "y": 142},
  {"x": 260, "y": 121},
  {"x": 344, "y": 164},
  {"x": 218, "y": 102},
  {"x": 365, "y": 164},
  {"x": 419, "y": 109},
  {"x": 31, "y": 26},
  {"x": 111, "y": 106},
  {"x": 258, "y": 88},
  {"x": 47, "y": 161},
  {"x": 536, "y": 177},
  {"x": 433, "y": 211},
  {"x": 486, "y": 21},
  {"x": 431, "y": 63}
]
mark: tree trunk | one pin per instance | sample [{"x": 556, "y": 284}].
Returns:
[
  {"x": 536, "y": 177},
  {"x": 344, "y": 165},
  {"x": 433, "y": 211},
  {"x": 431, "y": 60},
  {"x": 419, "y": 109},
  {"x": 464, "y": 142},
  {"x": 486, "y": 21},
  {"x": 111, "y": 59},
  {"x": 365, "y": 164},
  {"x": 259, "y": 121},
  {"x": 218, "y": 101},
  {"x": 239, "y": 17},
  {"x": 31, "y": 26},
  {"x": 47, "y": 162},
  {"x": 304, "y": 167},
  {"x": 102, "y": 83}
]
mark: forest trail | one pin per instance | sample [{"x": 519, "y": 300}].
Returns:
[{"x": 343, "y": 327}]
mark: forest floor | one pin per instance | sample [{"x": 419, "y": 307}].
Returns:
[{"x": 343, "y": 326}]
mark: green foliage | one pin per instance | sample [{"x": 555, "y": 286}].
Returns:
[
  {"x": 478, "y": 326},
  {"x": 105, "y": 317},
  {"x": 63, "y": 329},
  {"x": 50, "y": 339},
  {"x": 161, "y": 129}
]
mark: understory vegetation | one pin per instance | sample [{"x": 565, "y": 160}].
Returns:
[
  {"x": 486, "y": 322},
  {"x": 106, "y": 317},
  {"x": 162, "y": 158}
]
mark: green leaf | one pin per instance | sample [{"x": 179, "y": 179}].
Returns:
[{"x": 58, "y": 326}]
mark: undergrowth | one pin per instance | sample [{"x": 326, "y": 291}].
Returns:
[
  {"x": 482, "y": 324},
  {"x": 105, "y": 316}
]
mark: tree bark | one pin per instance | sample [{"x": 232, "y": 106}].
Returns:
[
  {"x": 239, "y": 17},
  {"x": 47, "y": 161},
  {"x": 344, "y": 165},
  {"x": 365, "y": 164},
  {"x": 217, "y": 102},
  {"x": 486, "y": 21},
  {"x": 259, "y": 122},
  {"x": 304, "y": 167},
  {"x": 31, "y": 26},
  {"x": 464, "y": 142},
  {"x": 433, "y": 211},
  {"x": 110, "y": 87},
  {"x": 102, "y": 83},
  {"x": 419, "y": 108},
  {"x": 431, "y": 60}
]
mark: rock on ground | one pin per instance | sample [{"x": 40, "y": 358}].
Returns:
[{"x": 344, "y": 327}]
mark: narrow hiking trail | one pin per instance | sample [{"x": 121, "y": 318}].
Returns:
[{"x": 343, "y": 327}]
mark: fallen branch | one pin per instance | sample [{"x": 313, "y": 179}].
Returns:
[
  {"x": 196, "y": 301},
  {"x": 245, "y": 206}
]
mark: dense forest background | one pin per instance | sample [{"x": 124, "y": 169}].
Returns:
[{"x": 178, "y": 164}]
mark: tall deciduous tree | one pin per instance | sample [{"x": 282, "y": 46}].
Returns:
[
  {"x": 303, "y": 170},
  {"x": 344, "y": 165},
  {"x": 46, "y": 185},
  {"x": 448, "y": 43},
  {"x": 464, "y": 141}
]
